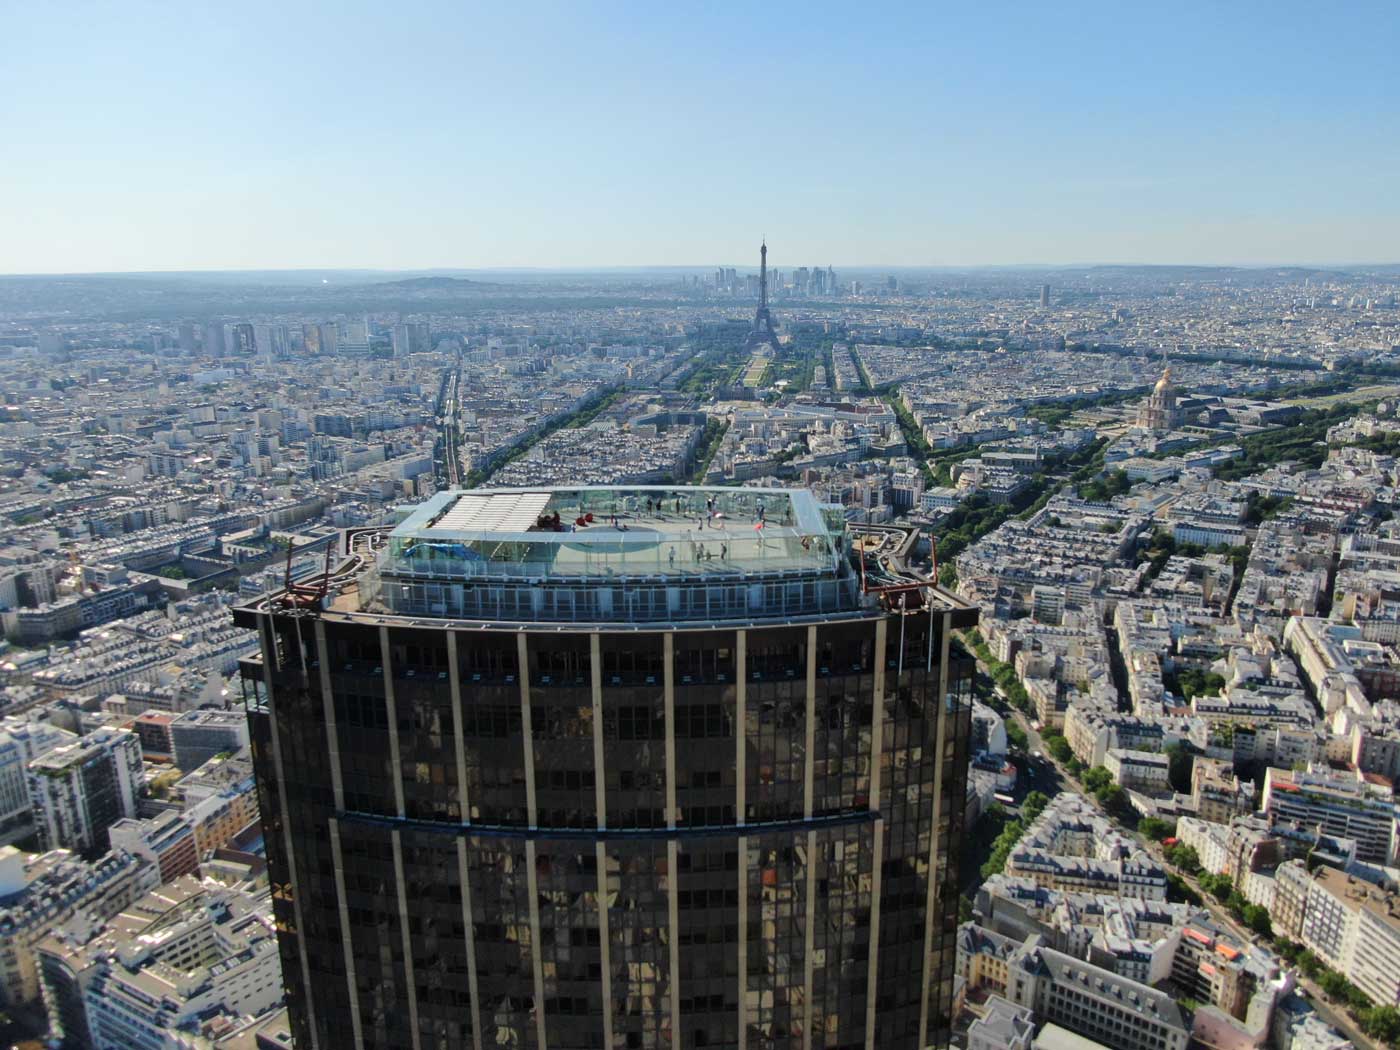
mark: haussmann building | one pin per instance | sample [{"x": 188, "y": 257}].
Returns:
[{"x": 613, "y": 767}]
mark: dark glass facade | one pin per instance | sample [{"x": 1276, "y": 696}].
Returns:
[{"x": 742, "y": 837}]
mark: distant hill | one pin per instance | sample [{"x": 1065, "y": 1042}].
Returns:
[{"x": 433, "y": 284}]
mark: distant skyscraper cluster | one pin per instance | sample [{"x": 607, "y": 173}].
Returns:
[
  {"x": 813, "y": 282},
  {"x": 803, "y": 282}
]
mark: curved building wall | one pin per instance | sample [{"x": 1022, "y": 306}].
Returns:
[{"x": 636, "y": 839}]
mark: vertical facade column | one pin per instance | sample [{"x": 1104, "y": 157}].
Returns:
[
  {"x": 600, "y": 785},
  {"x": 269, "y": 655},
  {"x": 668, "y": 679},
  {"x": 600, "y": 800},
  {"x": 877, "y": 860},
  {"x": 809, "y": 744},
  {"x": 741, "y": 728},
  {"x": 536, "y": 959},
  {"x": 526, "y": 730},
  {"x": 386, "y": 657},
  {"x": 872, "y": 966},
  {"x": 459, "y": 743},
  {"x": 877, "y": 716},
  {"x": 337, "y": 857},
  {"x": 454, "y": 679},
  {"x": 809, "y": 935},
  {"x": 935, "y": 891},
  {"x": 741, "y": 749},
  {"x": 346, "y": 946},
  {"x": 407, "y": 942},
  {"x": 743, "y": 942},
  {"x": 532, "y": 819},
  {"x": 323, "y": 657},
  {"x": 604, "y": 943},
  {"x": 464, "y": 875},
  {"x": 673, "y": 906},
  {"x": 808, "y": 809}
]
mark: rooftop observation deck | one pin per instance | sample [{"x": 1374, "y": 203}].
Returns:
[
  {"x": 602, "y": 532},
  {"x": 622, "y": 557}
]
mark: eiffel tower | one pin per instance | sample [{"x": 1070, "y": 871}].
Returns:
[{"x": 762, "y": 331}]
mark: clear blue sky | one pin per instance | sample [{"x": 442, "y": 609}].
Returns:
[{"x": 244, "y": 135}]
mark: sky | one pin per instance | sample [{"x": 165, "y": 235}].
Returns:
[{"x": 448, "y": 134}]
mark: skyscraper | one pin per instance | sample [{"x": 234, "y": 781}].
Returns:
[
  {"x": 353, "y": 337},
  {"x": 213, "y": 340},
  {"x": 410, "y": 339},
  {"x": 240, "y": 339},
  {"x": 1044, "y": 296},
  {"x": 625, "y": 782},
  {"x": 270, "y": 341},
  {"x": 330, "y": 337}
]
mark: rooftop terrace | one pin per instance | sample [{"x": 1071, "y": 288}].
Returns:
[
  {"x": 621, "y": 556},
  {"x": 615, "y": 554},
  {"x": 611, "y": 531}
]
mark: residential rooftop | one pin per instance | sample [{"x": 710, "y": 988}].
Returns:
[{"x": 1362, "y": 895}]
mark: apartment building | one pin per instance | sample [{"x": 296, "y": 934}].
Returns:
[
  {"x": 197, "y": 736},
  {"x": 20, "y": 743},
  {"x": 1144, "y": 771},
  {"x": 166, "y": 840},
  {"x": 1354, "y": 927},
  {"x": 40, "y": 891},
  {"x": 81, "y": 789},
  {"x": 180, "y": 964},
  {"x": 1095, "y": 1002},
  {"x": 1344, "y": 805}
]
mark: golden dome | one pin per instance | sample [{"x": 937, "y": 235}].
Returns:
[{"x": 1165, "y": 383}]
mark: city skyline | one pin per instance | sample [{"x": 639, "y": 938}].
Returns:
[
  {"x": 619, "y": 527},
  {"x": 344, "y": 595},
  {"x": 559, "y": 139}
]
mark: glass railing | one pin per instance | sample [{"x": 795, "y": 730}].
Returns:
[
  {"x": 608, "y": 553},
  {"x": 614, "y": 601}
]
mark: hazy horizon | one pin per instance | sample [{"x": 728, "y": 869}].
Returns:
[{"x": 702, "y": 268}]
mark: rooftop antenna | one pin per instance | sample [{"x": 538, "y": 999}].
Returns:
[{"x": 287, "y": 577}]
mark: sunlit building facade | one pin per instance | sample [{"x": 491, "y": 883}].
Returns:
[{"x": 531, "y": 778}]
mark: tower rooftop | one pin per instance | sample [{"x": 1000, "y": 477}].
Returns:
[
  {"x": 659, "y": 531},
  {"x": 587, "y": 556}
]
